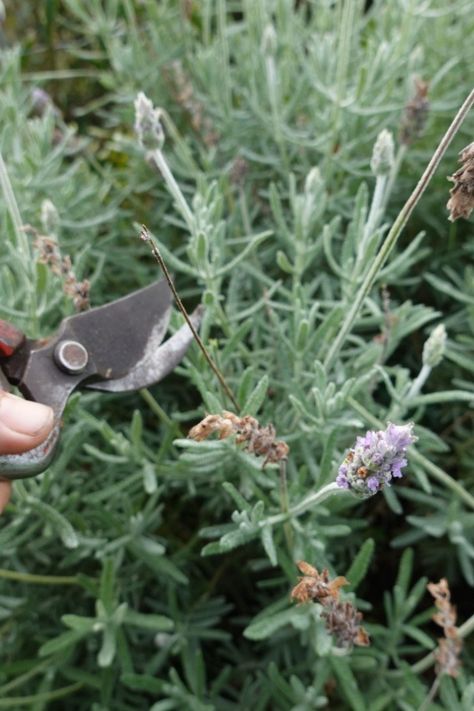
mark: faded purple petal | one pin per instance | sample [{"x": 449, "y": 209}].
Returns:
[
  {"x": 399, "y": 436},
  {"x": 377, "y": 458},
  {"x": 397, "y": 466},
  {"x": 373, "y": 484},
  {"x": 368, "y": 440},
  {"x": 342, "y": 482}
]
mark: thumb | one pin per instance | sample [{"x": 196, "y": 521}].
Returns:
[
  {"x": 23, "y": 424},
  {"x": 5, "y": 491}
]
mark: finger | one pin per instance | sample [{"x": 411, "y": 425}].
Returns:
[
  {"x": 23, "y": 424},
  {"x": 5, "y": 491}
]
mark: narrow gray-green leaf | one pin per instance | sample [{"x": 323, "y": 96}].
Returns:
[
  {"x": 256, "y": 398},
  {"x": 60, "y": 524},
  {"x": 360, "y": 564},
  {"x": 268, "y": 543}
]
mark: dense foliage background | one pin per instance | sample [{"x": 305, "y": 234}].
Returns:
[{"x": 141, "y": 570}]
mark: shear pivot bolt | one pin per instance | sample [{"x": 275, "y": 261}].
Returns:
[{"x": 71, "y": 356}]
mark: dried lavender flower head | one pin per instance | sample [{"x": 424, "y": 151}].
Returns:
[
  {"x": 416, "y": 113},
  {"x": 461, "y": 202},
  {"x": 148, "y": 124},
  {"x": 41, "y": 102},
  {"x": 376, "y": 459}
]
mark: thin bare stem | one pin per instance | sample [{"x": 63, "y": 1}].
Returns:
[
  {"x": 145, "y": 235},
  {"x": 285, "y": 506},
  {"x": 160, "y": 161},
  {"x": 307, "y": 503},
  {"x": 433, "y": 691},
  {"x": 396, "y": 230},
  {"x": 374, "y": 215},
  {"x": 156, "y": 408},
  {"x": 38, "y": 579},
  {"x": 20, "y": 680},
  {"x": 41, "y": 697}
]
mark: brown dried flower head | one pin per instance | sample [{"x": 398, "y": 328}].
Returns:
[
  {"x": 461, "y": 202},
  {"x": 78, "y": 291},
  {"x": 446, "y": 617},
  {"x": 50, "y": 254},
  {"x": 415, "y": 115},
  {"x": 341, "y": 618},
  {"x": 449, "y": 646},
  {"x": 447, "y": 656},
  {"x": 316, "y": 587},
  {"x": 257, "y": 439},
  {"x": 184, "y": 95},
  {"x": 343, "y": 621},
  {"x": 238, "y": 171}
]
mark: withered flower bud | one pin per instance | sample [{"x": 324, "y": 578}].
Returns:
[
  {"x": 256, "y": 438},
  {"x": 238, "y": 171},
  {"x": 61, "y": 266},
  {"x": 341, "y": 618},
  {"x": 316, "y": 587},
  {"x": 461, "y": 202},
  {"x": 416, "y": 112},
  {"x": 343, "y": 621},
  {"x": 449, "y": 646}
]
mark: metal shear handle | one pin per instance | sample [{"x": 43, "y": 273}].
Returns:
[
  {"x": 115, "y": 347},
  {"x": 19, "y": 466}
]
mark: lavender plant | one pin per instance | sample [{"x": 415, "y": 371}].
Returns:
[{"x": 147, "y": 569}]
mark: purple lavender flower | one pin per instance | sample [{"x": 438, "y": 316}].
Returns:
[{"x": 375, "y": 459}]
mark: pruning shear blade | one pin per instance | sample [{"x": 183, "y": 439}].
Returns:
[
  {"x": 157, "y": 361},
  {"x": 114, "y": 348}
]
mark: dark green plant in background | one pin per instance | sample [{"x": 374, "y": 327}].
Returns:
[{"x": 148, "y": 570}]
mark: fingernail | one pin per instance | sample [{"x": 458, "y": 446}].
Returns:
[{"x": 23, "y": 416}]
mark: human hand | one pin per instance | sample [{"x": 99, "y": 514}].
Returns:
[{"x": 23, "y": 426}]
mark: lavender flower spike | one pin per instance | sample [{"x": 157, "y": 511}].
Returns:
[
  {"x": 148, "y": 124},
  {"x": 375, "y": 460}
]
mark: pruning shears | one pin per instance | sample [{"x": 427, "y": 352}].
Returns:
[{"x": 114, "y": 348}]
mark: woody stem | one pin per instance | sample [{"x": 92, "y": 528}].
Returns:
[
  {"x": 284, "y": 505},
  {"x": 316, "y": 498},
  {"x": 394, "y": 233}
]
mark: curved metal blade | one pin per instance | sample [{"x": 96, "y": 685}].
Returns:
[
  {"x": 117, "y": 334},
  {"x": 157, "y": 361},
  {"x": 116, "y": 337}
]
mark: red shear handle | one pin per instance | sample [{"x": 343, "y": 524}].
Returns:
[{"x": 11, "y": 338}]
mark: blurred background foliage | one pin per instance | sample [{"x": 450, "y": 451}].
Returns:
[{"x": 271, "y": 111}]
